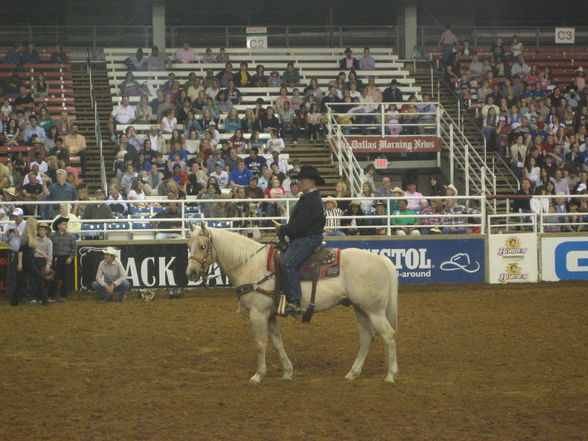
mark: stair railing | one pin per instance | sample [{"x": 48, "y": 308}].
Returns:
[
  {"x": 348, "y": 165},
  {"x": 97, "y": 128}
]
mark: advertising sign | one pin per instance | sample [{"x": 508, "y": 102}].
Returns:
[
  {"x": 428, "y": 260},
  {"x": 147, "y": 266},
  {"x": 565, "y": 35},
  {"x": 512, "y": 258},
  {"x": 564, "y": 258},
  {"x": 408, "y": 144}
]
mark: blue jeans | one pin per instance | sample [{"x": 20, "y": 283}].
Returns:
[
  {"x": 459, "y": 230},
  {"x": 297, "y": 252},
  {"x": 121, "y": 289}
]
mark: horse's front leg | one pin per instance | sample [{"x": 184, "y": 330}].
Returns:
[
  {"x": 276, "y": 337},
  {"x": 260, "y": 325}
]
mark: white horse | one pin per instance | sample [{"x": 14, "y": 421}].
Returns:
[{"x": 368, "y": 281}]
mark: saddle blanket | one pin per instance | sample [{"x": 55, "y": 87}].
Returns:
[{"x": 328, "y": 258}]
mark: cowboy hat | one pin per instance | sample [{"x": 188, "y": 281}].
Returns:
[
  {"x": 10, "y": 190},
  {"x": 110, "y": 250},
  {"x": 58, "y": 221},
  {"x": 310, "y": 172},
  {"x": 354, "y": 202},
  {"x": 44, "y": 225},
  {"x": 397, "y": 190},
  {"x": 17, "y": 212},
  {"x": 332, "y": 200}
]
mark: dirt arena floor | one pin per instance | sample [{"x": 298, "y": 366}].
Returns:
[{"x": 476, "y": 363}]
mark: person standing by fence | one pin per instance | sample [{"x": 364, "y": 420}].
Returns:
[
  {"x": 64, "y": 251},
  {"x": 447, "y": 42}
]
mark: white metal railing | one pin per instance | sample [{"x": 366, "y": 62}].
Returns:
[
  {"x": 97, "y": 129},
  {"x": 141, "y": 222}
]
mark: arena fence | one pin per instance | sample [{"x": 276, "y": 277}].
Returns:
[{"x": 516, "y": 247}]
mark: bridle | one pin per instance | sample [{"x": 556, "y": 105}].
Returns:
[{"x": 205, "y": 264}]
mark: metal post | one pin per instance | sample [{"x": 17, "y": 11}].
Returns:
[
  {"x": 432, "y": 86},
  {"x": 172, "y": 32},
  {"x": 340, "y": 36},
  {"x": 467, "y": 169},
  {"x": 451, "y": 155},
  {"x": 382, "y": 119},
  {"x": 94, "y": 40},
  {"x": 388, "y": 230},
  {"x": 30, "y": 34},
  {"x": 287, "y": 36},
  {"x": 146, "y": 37},
  {"x": 483, "y": 214},
  {"x": 227, "y": 36}
]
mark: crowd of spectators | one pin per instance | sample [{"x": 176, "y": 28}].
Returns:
[{"x": 537, "y": 125}]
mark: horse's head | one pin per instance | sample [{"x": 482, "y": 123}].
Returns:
[{"x": 202, "y": 252}]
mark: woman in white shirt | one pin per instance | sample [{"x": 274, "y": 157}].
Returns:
[
  {"x": 367, "y": 205},
  {"x": 169, "y": 122},
  {"x": 539, "y": 205},
  {"x": 275, "y": 142},
  {"x": 532, "y": 171}
]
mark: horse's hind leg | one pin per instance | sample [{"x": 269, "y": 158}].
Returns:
[
  {"x": 259, "y": 324},
  {"x": 366, "y": 336},
  {"x": 383, "y": 327},
  {"x": 276, "y": 338}
]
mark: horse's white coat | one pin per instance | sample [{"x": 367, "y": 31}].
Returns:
[{"x": 367, "y": 280}]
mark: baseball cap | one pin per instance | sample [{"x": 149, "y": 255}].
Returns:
[{"x": 17, "y": 212}]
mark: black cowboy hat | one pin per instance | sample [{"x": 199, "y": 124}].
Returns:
[
  {"x": 310, "y": 172},
  {"x": 57, "y": 221}
]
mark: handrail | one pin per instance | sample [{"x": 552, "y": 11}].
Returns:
[{"x": 97, "y": 128}]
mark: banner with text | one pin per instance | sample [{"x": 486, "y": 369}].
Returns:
[
  {"x": 147, "y": 266},
  {"x": 409, "y": 144},
  {"x": 564, "y": 258},
  {"x": 429, "y": 260},
  {"x": 512, "y": 258}
]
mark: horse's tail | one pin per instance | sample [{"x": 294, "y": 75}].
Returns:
[{"x": 392, "y": 305}]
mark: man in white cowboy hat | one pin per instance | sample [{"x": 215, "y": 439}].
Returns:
[
  {"x": 333, "y": 215},
  {"x": 111, "y": 277}
]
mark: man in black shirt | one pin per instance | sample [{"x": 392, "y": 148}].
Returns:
[
  {"x": 305, "y": 230},
  {"x": 173, "y": 227},
  {"x": 392, "y": 94}
]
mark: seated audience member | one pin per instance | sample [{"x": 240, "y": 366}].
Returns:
[
  {"x": 291, "y": 76},
  {"x": 349, "y": 62},
  {"x": 226, "y": 75},
  {"x": 367, "y": 62},
  {"x": 222, "y": 177},
  {"x": 454, "y": 224},
  {"x": 59, "y": 56},
  {"x": 122, "y": 114},
  {"x": 259, "y": 79},
  {"x": 379, "y": 224},
  {"x": 241, "y": 176},
  {"x": 61, "y": 191},
  {"x": 76, "y": 144},
  {"x": 222, "y": 56},
  {"x": 137, "y": 62},
  {"x": 30, "y": 55},
  {"x": 392, "y": 94},
  {"x": 432, "y": 223},
  {"x": 98, "y": 211},
  {"x": 33, "y": 131},
  {"x": 551, "y": 222},
  {"x": 333, "y": 214},
  {"x": 405, "y": 217},
  {"x": 255, "y": 162},
  {"x": 172, "y": 227},
  {"x": 15, "y": 56},
  {"x": 208, "y": 56},
  {"x": 414, "y": 204},
  {"x": 353, "y": 220},
  {"x": 111, "y": 277},
  {"x": 132, "y": 87},
  {"x": 185, "y": 54},
  {"x": 115, "y": 196},
  {"x": 275, "y": 143},
  {"x": 158, "y": 61},
  {"x": 224, "y": 208}
]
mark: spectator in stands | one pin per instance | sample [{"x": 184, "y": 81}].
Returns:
[
  {"x": 432, "y": 223},
  {"x": 169, "y": 122},
  {"x": 40, "y": 86},
  {"x": 241, "y": 176},
  {"x": 98, "y": 211},
  {"x": 454, "y": 225},
  {"x": 64, "y": 252},
  {"x": 349, "y": 62},
  {"x": 76, "y": 145},
  {"x": 448, "y": 41},
  {"x": 172, "y": 211},
  {"x": 291, "y": 76},
  {"x": 115, "y": 195},
  {"x": 185, "y": 54},
  {"x": 255, "y": 162},
  {"x": 367, "y": 62},
  {"x": 30, "y": 55},
  {"x": 232, "y": 160},
  {"x": 58, "y": 56},
  {"x": 136, "y": 62},
  {"x": 405, "y": 217},
  {"x": 24, "y": 101},
  {"x": 11, "y": 135},
  {"x": 331, "y": 97},
  {"x": 222, "y": 56},
  {"x": 392, "y": 94},
  {"x": 520, "y": 69},
  {"x": 491, "y": 128},
  {"x": 222, "y": 102},
  {"x": 414, "y": 204},
  {"x": 15, "y": 56},
  {"x": 260, "y": 79},
  {"x": 269, "y": 121},
  {"x": 333, "y": 214},
  {"x": 314, "y": 124},
  {"x": 208, "y": 56},
  {"x": 131, "y": 87},
  {"x": 12, "y": 86},
  {"x": 33, "y": 131},
  {"x": 226, "y": 75},
  {"x": 122, "y": 114},
  {"x": 157, "y": 60},
  {"x": 242, "y": 78},
  {"x": 275, "y": 143},
  {"x": 353, "y": 220}
]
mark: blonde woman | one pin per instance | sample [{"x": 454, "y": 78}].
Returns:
[{"x": 26, "y": 263}]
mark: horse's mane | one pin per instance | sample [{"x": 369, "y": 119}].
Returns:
[{"x": 233, "y": 247}]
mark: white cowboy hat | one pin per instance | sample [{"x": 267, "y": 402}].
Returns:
[{"x": 110, "y": 250}]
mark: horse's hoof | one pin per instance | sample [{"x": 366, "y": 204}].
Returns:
[
  {"x": 255, "y": 379},
  {"x": 287, "y": 379},
  {"x": 389, "y": 379},
  {"x": 351, "y": 376}
]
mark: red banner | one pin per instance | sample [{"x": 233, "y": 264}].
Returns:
[{"x": 392, "y": 144}]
